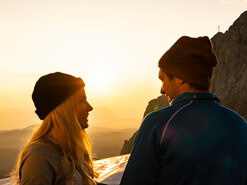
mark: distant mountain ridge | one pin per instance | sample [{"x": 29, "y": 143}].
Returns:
[
  {"x": 12, "y": 118},
  {"x": 103, "y": 116}
]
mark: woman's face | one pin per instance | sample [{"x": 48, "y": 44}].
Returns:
[{"x": 82, "y": 107}]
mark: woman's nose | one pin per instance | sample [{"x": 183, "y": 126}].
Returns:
[{"x": 89, "y": 107}]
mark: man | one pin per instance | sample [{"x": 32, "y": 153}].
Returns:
[{"x": 195, "y": 140}]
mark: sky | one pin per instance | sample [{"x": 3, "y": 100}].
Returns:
[{"x": 113, "y": 45}]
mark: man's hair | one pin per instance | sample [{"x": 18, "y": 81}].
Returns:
[
  {"x": 74, "y": 142},
  {"x": 197, "y": 87}
]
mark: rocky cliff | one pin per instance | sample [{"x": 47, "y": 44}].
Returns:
[
  {"x": 153, "y": 105},
  {"x": 229, "y": 81},
  {"x": 230, "y": 76}
]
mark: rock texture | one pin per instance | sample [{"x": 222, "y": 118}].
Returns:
[
  {"x": 229, "y": 82},
  {"x": 156, "y": 104},
  {"x": 153, "y": 105}
]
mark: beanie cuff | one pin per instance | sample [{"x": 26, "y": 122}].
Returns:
[{"x": 193, "y": 78}]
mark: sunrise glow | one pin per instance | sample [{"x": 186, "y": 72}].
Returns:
[
  {"x": 99, "y": 79},
  {"x": 114, "y": 46}
]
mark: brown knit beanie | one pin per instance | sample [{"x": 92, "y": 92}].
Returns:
[
  {"x": 190, "y": 59},
  {"x": 52, "y": 89}
]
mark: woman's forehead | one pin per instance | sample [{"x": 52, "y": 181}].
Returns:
[{"x": 80, "y": 93}]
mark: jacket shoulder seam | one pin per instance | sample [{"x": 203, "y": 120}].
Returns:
[{"x": 170, "y": 119}]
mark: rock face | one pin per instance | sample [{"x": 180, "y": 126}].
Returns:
[
  {"x": 153, "y": 105},
  {"x": 229, "y": 82},
  {"x": 156, "y": 104}
]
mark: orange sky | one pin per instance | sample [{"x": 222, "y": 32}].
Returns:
[{"x": 113, "y": 45}]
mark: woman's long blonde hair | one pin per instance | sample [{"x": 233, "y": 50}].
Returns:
[{"x": 62, "y": 125}]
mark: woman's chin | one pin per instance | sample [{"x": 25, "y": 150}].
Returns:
[{"x": 84, "y": 125}]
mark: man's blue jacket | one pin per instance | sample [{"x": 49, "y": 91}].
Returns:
[{"x": 195, "y": 141}]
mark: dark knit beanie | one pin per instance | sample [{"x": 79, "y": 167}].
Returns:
[
  {"x": 190, "y": 59},
  {"x": 52, "y": 89}
]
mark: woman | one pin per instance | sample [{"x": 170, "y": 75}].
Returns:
[{"x": 59, "y": 151}]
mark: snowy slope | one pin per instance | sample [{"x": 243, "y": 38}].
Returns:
[{"x": 110, "y": 170}]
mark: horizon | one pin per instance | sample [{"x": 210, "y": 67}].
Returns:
[{"x": 114, "y": 46}]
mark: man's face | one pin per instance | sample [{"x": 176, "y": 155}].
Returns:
[
  {"x": 82, "y": 107},
  {"x": 168, "y": 87}
]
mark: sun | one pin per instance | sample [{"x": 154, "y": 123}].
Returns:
[{"x": 99, "y": 79}]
